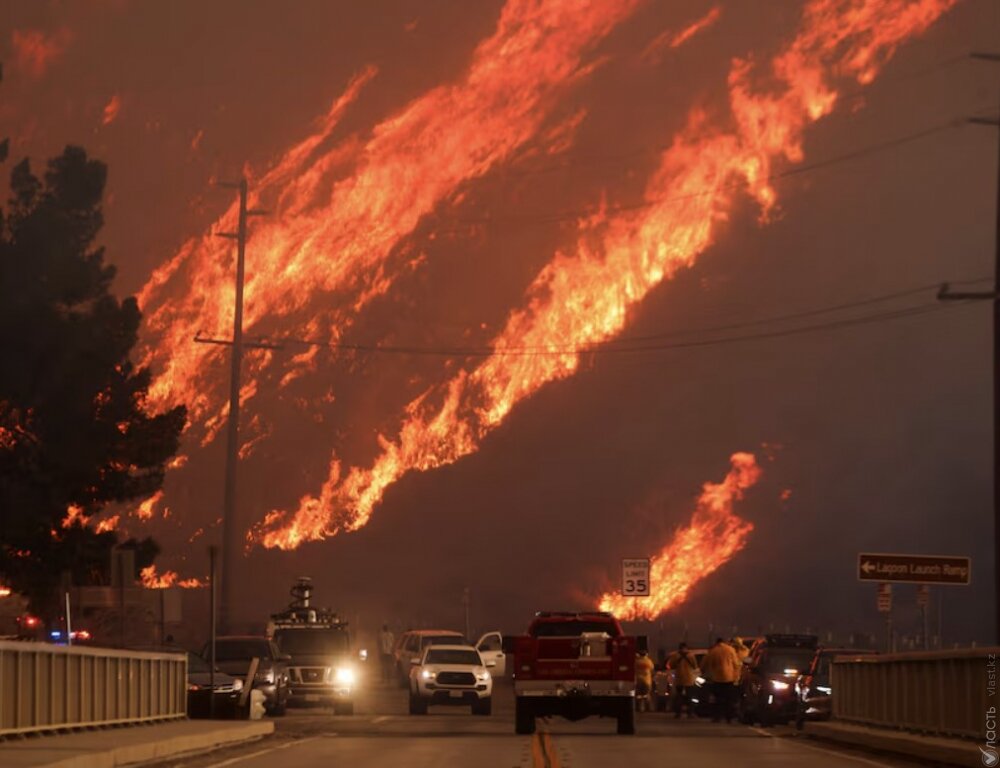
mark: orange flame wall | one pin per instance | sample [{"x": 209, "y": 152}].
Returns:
[
  {"x": 710, "y": 540},
  {"x": 336, "y": 214},
  {"x": 582, "y": 298}
]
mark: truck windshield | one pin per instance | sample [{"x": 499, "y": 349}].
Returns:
[
  {"x": 312, "y": 642},
  {"x": 572, "y": 628},
  {"x": 780, "y": 661},
  {"x": 236, "y": 650},
  {"x": 453, "y": 656},
  {"x": 441, "y": 640}
]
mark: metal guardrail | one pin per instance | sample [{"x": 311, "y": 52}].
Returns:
[
  {"x": 941, "y": 693},
  {"x": 52, "y": 687}
]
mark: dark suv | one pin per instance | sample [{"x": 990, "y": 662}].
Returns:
[
  {"x": 233, "y": 654},
  {"x": 767, "y": 686}
]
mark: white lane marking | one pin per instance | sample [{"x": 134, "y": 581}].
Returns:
[
  {"x": 381, "y": 719},
  {"x": 259, "y": 752},
  {"x": 845, "y": 755}
]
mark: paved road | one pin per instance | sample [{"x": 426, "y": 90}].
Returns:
[{"x": 381, "y": 734}]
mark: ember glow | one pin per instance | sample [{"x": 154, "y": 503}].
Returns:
[
  {"x": 152, "y": 580},
  {"x": 710, "y": 540},
  {"x": 582, "y": 297},
  {"x": 358, "y": 200},
  {"x": 111, "y": 110},
  {"x": 35, "y": 51}
]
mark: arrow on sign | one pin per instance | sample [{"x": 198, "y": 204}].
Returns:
[{"x": 868, "y": 566}]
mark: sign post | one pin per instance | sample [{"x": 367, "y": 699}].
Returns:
[
  {"x": 635, "y": 577},
  {"x": 884, "y": 602},
  {"x": 923, "y": 602}
]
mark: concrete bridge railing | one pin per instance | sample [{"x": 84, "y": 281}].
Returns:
[
  {"x": 51, "y": 687},
  {"x": 943, "y": 693}
]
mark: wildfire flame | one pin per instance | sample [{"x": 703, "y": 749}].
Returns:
[
  {"x": 109, "y": 524},
  {"x": 714, "y": 535},
  {"x": 582, "y": 299},
  {"x": 671, "y": 39},
  {"x": 147, "y": 508},
  {"x": 152, "y": 580},
  {"x": 358, "y": 200},
  {"x": 74, "y": 516}
]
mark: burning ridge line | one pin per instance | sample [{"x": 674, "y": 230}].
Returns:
[
  {"x": 714, "y": 535},
  {"x": 331, "y": 234},
  {"x": 585, "y": 297}
]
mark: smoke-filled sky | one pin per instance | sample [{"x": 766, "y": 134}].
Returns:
[{"x": 435, "y": 171}]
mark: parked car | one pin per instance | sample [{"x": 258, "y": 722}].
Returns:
[
  {"x": 767, "y": 687},
  {"x": 450, "y": 675},
  {"x": 203, "y": 687},
  {"x": 411, "y": 644},
  {"x": 233, "y": 654},
  {"x": 813, "y": 689}
]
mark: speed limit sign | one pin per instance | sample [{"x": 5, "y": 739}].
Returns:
[{"x": 635, "y": 577}]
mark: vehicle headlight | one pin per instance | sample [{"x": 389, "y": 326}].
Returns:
[
  {"x": 237, "y": 684},
  {"x": 700, "y": 681},
  {"x": 427, "y": 674},
  {"x": 344, "y": 676},
  {"x": 779, "y": 685},
  {"x": 824, "y": 689},
  {"x": 194, "y": 687},
  {"x": 265, "y": 677},
  {"x": 483, "y": 676}
]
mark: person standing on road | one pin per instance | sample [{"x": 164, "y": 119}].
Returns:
[
  {"x": 741, "y": 653},
  {"x": 643, "y": 681},
  {"x": 738, "y": 645},
  {"x": 721, "y": 667},
  {"x": 685, "y": 668},
  {"x": 386, "y": 645}
]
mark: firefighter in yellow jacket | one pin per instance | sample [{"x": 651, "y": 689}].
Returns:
[
  {"x": 643, "y": 681},
  {"x": 721, "y": 667},
  {"x": 685, "y": 668}
]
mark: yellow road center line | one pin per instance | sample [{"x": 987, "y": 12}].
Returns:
[
  {"x": 537, "y": 752},
  {"x": 550, "y": 751}
]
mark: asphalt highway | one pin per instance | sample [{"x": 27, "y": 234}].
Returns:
[{"x": 382, "y": 735}]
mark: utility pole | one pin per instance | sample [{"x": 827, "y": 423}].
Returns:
[
  {"x": 232, "y": 539},
  {"x": 945, "y": 294},
  {"x": 466, "y": 599}
]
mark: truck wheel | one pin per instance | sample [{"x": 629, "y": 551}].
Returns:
[
  {"x": 483, "y": 707},
  {"x": 626, "y": 718},
  {"x": 344, "y": 708},
  {"x": 417, "y": 705},
  {"x": 524, "y": 718}
]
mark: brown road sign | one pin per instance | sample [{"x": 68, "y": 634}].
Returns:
[{"x": 916, "y": 569}]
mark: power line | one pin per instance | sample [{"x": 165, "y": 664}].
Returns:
[
  {"x": 574, "y": 214},
  {"x": 576, "y": 157},
  {"x": 806, "y": 313},
  {"x": 639, "y": 343}
]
